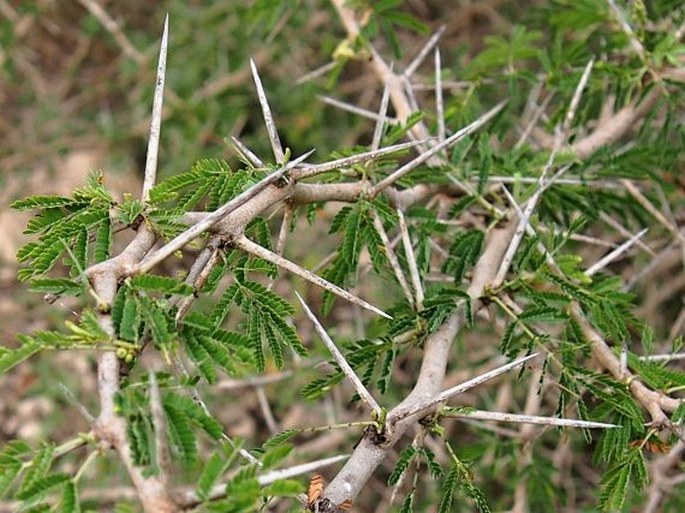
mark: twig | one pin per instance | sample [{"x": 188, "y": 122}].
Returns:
[
  {"x": 523, "y": 419},
  {"x": 268, "y": 117},
  {"x": 156, "y": 118},
  {"x": 368, "y": 455},
  {"x": 654, "y": 402},
  {"x": 255, "y": 249},
  {"x": 345, "y": 367},
  {"x": 113, "y": 28}
]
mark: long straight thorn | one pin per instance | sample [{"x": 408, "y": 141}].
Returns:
[
  {"x": 423, "y": 53},
  {"x": 439, "y": 103},
  {"x": 610, "y": 257},
  {"x": 453, "y": 139},
  {"x": 382, "y": 112},
  {"x": 268, "y": 117},
  {"x": 309, "y": 170},
  {"x": 399, "y": 414},
  {"x": 156, "y": 118},
  {"x": 246, "y": 153},
  {"x": 345, "y": 367},
  {"x": 255, "y": 249},
  {"x": 527, "y": 419}
]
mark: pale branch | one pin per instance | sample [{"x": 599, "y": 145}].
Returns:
[
  {"x": 522, "y": 419},
  {"x": 150, "y": 176},
  {"x": 275, "y": 141},
  {"x": 214, "y": 217},
  {"x": 113, "y": 28},
  {"x": 109, "y": 427},
  {"x": 613, "y": 255},
  {"x": 345, "y": 367},
  {"x": 411, "y": 261},
  {"x": 369, "y": 453},
  {"x": 453, "y": 139},
  {"x": 255, "y": 249},
  {"x": 382, "y": 70},
  {"x": 615, "y": 127},
  {"x": 423, "y": 406},
  {"x": 656, "y": 403}
]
